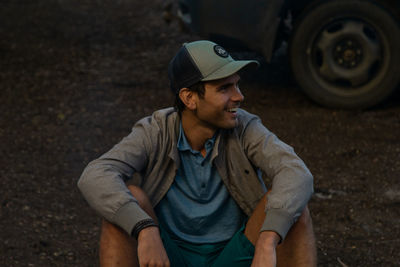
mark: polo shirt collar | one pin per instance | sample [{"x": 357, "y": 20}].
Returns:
[{"x": 183, "y": 144}]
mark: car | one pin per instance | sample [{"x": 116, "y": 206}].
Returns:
[{"x": 342, "y": 53}]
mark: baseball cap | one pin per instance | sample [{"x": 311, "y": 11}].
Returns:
[{"x": 202, "y": 61}]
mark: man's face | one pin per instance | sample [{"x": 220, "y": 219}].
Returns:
[{"x": 217, "y": 109}]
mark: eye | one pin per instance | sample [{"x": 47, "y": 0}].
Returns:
[
  {"x": 223, "y": 87},
  {"x": 237, "y": 85}
]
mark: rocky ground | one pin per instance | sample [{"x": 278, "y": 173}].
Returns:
[{"x": 75, "y": 76}]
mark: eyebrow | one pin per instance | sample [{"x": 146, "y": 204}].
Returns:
[{"x": 228, "y": 83}]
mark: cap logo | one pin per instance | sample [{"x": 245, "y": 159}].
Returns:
[{"x": 220, "y": 51}]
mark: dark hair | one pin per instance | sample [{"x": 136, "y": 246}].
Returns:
[{"x": 197, "y": 88}]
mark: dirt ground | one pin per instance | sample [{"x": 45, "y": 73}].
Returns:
[{"x": 75, "y": 76}]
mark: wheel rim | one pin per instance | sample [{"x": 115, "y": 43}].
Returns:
[{"x": 347, "y": 55}]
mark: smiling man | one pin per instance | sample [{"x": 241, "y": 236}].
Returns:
[{"x": 200, "y": 199}]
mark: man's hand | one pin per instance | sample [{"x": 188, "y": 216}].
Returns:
[
  {"x": 151, "y": 251},
  {"x": 265, "y": 250}
]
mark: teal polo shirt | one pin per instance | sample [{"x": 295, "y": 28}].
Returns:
[{"x": 198, "y": 207}]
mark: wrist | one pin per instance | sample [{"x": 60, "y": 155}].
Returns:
[
  {"x": 269, "y": 238},
  {"x": 143, "y": 225}
]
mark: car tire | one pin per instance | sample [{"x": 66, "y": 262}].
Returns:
[{"x": 345, "y": 54}]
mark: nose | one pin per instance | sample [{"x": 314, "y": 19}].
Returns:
[{"x": 237, "y": 95}]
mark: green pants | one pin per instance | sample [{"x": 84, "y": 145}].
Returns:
[{"x": 237, "y": 252}]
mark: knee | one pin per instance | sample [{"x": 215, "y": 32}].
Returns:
[
  {"x": 138, "y": 194},
  {"x": 305, "y": 218},
  {"x": 142, "y": 199}
]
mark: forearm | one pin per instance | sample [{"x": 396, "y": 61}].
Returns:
[
  {"x": 292, "y": 182},
  {"x": 290, "y": 193},
  {"x": 103, "y": 186},
  {"x": 265, "y": 249}
]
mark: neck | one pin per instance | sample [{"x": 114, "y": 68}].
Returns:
[{"x": 196, "y": 132}]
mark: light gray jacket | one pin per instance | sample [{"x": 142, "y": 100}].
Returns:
[{"x": 150, "y": 149}]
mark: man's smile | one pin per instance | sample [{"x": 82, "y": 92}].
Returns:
[{"x": 232, "y": 110}]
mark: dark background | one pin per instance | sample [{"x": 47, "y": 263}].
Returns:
[{"x": 76, "y": 75}]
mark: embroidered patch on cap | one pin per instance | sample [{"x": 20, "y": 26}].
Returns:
[{"x": 220, "y": 51}]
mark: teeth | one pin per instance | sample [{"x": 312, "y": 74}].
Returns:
[{"x": 233, "y": 109}]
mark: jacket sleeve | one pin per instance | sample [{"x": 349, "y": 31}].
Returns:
[
  {"x": 292, "y": 182},
  {"x": 102, "y": 182}
]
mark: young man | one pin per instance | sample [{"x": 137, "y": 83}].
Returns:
[{"x": 200, "y": 199}]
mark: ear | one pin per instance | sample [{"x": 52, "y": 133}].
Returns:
[{"x": 189, "y": 98}]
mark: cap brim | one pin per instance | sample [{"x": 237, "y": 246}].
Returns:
[{"x": 231, "y": 68}]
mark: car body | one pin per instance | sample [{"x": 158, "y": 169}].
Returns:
[{"x": 343, "y": 53}]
